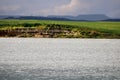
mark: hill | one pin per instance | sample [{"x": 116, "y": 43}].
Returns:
[{"x": 89, "y": 17}]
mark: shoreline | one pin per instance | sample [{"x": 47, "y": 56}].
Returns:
[
  {"x": 45, "y": 29},
  {"x": 60, "y": 38}
]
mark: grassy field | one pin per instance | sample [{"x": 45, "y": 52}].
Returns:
[{"x": 111, "y": 28}]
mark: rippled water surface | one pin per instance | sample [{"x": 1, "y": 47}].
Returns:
[{"x": 59, "y": 59}]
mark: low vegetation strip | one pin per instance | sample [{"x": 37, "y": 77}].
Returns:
[{"x": 59, "y": 29}]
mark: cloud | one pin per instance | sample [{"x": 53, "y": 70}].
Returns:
[
  {"x": 9, "y": 8},
  {"x": 65, "y": 9},
  {"x": 60, "y": 7},
  {"x": 110, "y": 8},
  {"x": 76, "y": 7},
  {"x": 73, "y": 5}
]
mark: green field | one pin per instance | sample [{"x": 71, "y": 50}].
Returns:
[{"x": 107, "y": 29}]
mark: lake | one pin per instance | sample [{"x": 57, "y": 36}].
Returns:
[{"x": 59, "y": 59}]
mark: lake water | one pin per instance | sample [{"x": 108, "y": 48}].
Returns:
[{"x": 59, "y": 59}]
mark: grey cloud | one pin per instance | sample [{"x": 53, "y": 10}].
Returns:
[{"x": 60, "y": 7}]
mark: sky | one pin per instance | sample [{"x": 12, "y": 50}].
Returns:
[{"x": 110, "y": 8}]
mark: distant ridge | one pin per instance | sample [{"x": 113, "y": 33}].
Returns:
[
  {"x": 92, "y": 17},
  {"x": 113, "y": 20},
  {"x": 35, "y": 18},
  {"x": 89, "y": 17}
]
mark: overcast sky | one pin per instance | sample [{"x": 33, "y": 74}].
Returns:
[{"x": 110, "y": 8}]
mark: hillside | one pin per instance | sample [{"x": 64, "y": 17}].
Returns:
[{"x": 89, "y": 17}]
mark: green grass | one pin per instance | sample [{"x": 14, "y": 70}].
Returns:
[
  {"x": 107, "y": 27},
  {"x": 110, "y": 27}
]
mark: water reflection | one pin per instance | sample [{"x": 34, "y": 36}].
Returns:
[{"x": 59, "y": 59}]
